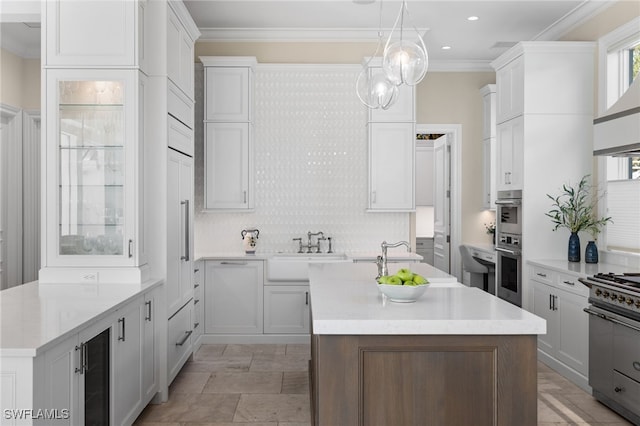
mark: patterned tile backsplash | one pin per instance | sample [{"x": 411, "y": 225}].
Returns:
[{"x": 310, "y": 166}]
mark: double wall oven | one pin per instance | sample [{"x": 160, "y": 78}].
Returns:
[
  {"x": 614, "y": 342},
  {"x": 509, "y": 246}
]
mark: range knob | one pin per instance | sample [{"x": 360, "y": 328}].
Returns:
[
  {"x": 629, "y": 301},
  {"x": 638, "y": 303},
  {"x": 621, "y": 298},
  {"x": 598, "y": 292},
  {"x": 613, "y": 296},
  {"x": 605, "y": 294}
]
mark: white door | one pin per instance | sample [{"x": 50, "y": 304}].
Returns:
[{"x": 441, "y": 201}]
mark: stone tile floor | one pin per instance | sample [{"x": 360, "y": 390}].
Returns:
[{"x": 267, "y": 385}]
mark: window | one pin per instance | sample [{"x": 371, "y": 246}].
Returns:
[{"x": 620, "y": 176}]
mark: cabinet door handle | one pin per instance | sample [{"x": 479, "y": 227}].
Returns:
[
  {"x": 196, "y": 285},
  {"x": 540, "y": 274},
  {"x": 569, "y": 282},
  {"x": 121, "y": 336},
  {"x": 195, "y": 301},
  {"x": 184, "y": 338},
  {"x": 306, "y": 297},
  {"x": 148, "y": 316},
  {"x": 130, "y": 248},
  {"x": 551, "y": 302},
  {"x": 195, "y": 325},
  {"x": 185, "y": 203},
  {"x": 244, "y": 197},
  {"x": 82, "y": 358},
  {"x": 233, "y": 263},
  {"x": 555, "y": 303}
]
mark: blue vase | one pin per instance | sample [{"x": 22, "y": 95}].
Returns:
[
  {"x": 574, "y": 247},
  {"x": 591, "y": 253}
]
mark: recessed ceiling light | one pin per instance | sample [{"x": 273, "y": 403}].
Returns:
[
  {"x": 472, "y": 18},
  {"x": 446, "y": 47}
]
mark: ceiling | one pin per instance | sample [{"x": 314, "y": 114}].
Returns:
[{"x": 500, "y": 23}]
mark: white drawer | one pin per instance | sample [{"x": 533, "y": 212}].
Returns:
[
  {"x": 179, "y": 339},
  {"x": 570, "y": 283},
  {"x": 543, "y": 275},
  {"x": 489, "y": 257},
  {"x": 179, "y": 105}
]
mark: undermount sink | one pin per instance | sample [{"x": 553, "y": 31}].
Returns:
[{"x": 295, "y": 266}]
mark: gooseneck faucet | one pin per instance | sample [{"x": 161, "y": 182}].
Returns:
[{"x": 382, "y": 260}]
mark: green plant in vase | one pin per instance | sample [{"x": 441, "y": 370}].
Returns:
[{"x": 575, "y": 209}]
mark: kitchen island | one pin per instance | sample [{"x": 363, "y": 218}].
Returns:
[{"x": 457, "y": 356}]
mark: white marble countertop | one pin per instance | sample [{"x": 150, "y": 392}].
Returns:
[
  {"x": 34, "y": 317},
  {"x": 345, "y": 300},
  {"x": 580, "y": 268}
]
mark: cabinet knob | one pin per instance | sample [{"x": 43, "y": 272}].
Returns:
[{"x": 618, "y": 389}]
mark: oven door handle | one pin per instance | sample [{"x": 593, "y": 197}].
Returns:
[
  {"x": 509, "y": 202},
  {"x": 612, "y": 319},
  {"x": 511, "y": 252}
]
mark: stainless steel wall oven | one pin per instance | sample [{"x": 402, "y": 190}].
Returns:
[{"x": 509, "y": 246}]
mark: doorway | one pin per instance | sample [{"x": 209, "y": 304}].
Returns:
[{"x": 446, "y": 195}]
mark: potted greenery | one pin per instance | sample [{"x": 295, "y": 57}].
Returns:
[
  {"x": 491, "y": 230},
  {"x": 574, "y": 209}
]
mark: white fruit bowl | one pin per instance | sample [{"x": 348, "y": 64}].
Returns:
[{"x": 402, "y": 293}]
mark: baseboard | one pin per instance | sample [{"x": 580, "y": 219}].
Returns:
[
  {"x": 572, "y": 375},
  {"x": 254, "y": 338}
]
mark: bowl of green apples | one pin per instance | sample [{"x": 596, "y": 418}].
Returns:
[{"x": 403, "y": 287}]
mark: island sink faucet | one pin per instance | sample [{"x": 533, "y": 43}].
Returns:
[{"x": 382, "y": 260}]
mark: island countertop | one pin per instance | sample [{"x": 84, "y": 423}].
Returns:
[{"x": 345, "y": 301}]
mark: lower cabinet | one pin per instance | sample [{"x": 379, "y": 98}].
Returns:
[
  {"x": 179, "y": 340},
  {"x": 234, "y": 296},
  {"x": 198, "y": 304},
  {"x": 286, "y": 309},
  {"x": 104, "y": 374},
  {"x": 560, "y": 299}
]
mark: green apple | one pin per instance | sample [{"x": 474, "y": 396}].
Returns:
[
  {"x": 394, "y": 280},
  {"x": 384, "y": 279},
  {"x": 410, "y": 283},
  {"x": 419, "y": 279},
  {"x": 404, "y": 274}
]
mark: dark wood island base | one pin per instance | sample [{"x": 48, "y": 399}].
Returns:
[{"x": 443, "y": 380}]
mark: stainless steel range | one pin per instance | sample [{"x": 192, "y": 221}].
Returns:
[{"x": 614, "y": 342}]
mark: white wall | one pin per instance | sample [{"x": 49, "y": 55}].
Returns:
[{"x": 310, "y": 166}]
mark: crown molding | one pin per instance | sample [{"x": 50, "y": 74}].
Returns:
[
  {"x": 572, "y": 19},
  {"x": 295, "y": 34}
]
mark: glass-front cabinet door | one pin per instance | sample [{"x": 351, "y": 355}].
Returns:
[{"x": 93, "y": 139}]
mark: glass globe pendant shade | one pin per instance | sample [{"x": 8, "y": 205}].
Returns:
[
  {"x": 375, "y": 91},
  {"x": 405, "y": 62}
]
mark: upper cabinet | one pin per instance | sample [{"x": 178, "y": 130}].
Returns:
[
  {"x": 510, "y": 80},
  {"x": 107, "y": 35},
  {"x": 92, "y": 184},
  {"x": 488, "y": 94},
  {"x": 228, "y": 132},
  {"x": 181, "y": 37}
]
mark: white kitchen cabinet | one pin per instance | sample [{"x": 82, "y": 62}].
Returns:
[
  {"x": 488, "y": 94},
  {"x": 179, "y": 340},
  {"x": 180, "y": 178},
  {"x": 228, "y": 93},
  {"x": 181, "y": 37},
  {"x": 424, "y": 175},
  {"x": 403, "y": 110},
  {"x": 560, "y": 298},
  {"x": 96, "y": 33},
  {"x": 93, "y": 181},
  {"x": 179, "y": 136},
  {"x": 510, "y": 154},
  {"x": 228, "y": 166},
  {"x": 510, "y": 81},
  {"x": 392, "y": 178},
  {"x": 286, "y": 309},
  {"x": 198, "y": 304},
  {"x": 228, "y": 136},
  {"x": 127, "y": 363},
  {"x": 234, "y": 296},
  {"x": 150, "y": 341}
]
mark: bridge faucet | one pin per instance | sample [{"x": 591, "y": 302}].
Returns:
[
  {"x": 320, "y": 236},
  {"x": 382, "y": 260}
]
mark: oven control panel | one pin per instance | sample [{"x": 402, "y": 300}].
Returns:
[
  {"x": 613, "y": 296},
  {"x": 513, "y": 240}
]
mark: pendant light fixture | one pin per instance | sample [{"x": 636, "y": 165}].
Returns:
[
  {"x": 403, "y": 61},
  {"x": 372, "y": 86}
]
